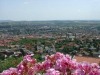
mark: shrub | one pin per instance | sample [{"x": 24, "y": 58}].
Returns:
[
  {"x": 9, "y": 62},
  {"x": 55, "y": 64}
]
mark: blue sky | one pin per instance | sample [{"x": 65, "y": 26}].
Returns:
[{"x": 49, "y": 9}]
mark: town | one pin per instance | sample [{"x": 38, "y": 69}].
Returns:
[{"x": 77, "y": 38}]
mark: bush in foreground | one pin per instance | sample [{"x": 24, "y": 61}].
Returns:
[
  {"x": 9, "y": 62},
  {"x": 56, "y": 64}
]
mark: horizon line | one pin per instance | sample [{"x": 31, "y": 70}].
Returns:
[{"x": 50, "y": 20}]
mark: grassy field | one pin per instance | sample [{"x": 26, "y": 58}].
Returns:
[
  {"x": 13, "y": 62},
  {"x": 9, "y": 62}
]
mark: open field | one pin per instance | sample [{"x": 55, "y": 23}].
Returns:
[{"x": 87, "y": 59}]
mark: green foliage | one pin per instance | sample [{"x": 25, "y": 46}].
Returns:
[
  {"x": 38, "y": 57},
  {"x": 31, "y": 41},
  {"x": 25, "y": 41},
  {"x": 61, "y": 43},
  {"x": 9, "y": 62},
  {"x": 3, "y": 47},
  {"x": 13, "y": 62}
]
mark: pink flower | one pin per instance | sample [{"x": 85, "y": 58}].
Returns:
[
  {"x": 73, "y": 64},
  {"x": 46, "y": 64},
  {"x": 94, "y": 72},
  {"x": 52, "y": 71},
  {"x": 31, "y": 71},
  {"x": 20, "y": 68},
  {"x": 27, "y": 58},
  {"x": 38, "y": 66},
  {"x": 6, "y": 72},
  {"x": 78, "y": 72},
  {"x": 10, "y": 71},
  {"x": 68, "y": 57},
  {"x": 86, "y": 67},
  {"x": 58, "y": 55},
  {"x": 95, "y": 65},
  {"x": 56, "y": 64}
]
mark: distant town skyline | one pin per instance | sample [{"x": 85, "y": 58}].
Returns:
[{"x": 36, "y": 10}]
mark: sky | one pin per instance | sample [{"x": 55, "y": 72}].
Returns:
[{"x": 49, "y": 10}]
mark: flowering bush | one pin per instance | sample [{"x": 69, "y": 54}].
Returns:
[{"x": 56, "y": 64}]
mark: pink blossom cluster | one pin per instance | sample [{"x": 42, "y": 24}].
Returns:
[{"x": 55, "y": 64}]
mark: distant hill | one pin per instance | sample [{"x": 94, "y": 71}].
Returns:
[
  {"x": 5, "y": 20},
  {"x": 53, "y": 21}
]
